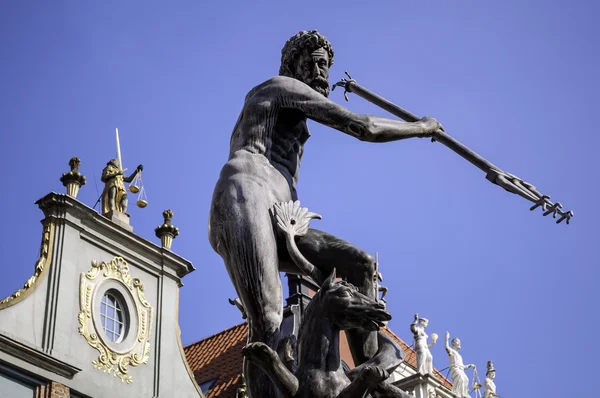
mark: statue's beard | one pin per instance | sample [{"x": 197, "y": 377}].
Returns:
[{"x": 320, "y": 85}]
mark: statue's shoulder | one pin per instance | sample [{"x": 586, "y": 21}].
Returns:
[{"x": 276, "y": 84}]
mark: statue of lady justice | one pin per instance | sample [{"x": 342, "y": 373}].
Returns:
[
  {"x": 424, "y": 357},
  {"x": 460, "y": 381},
  {"x": 114, "y": 195}
]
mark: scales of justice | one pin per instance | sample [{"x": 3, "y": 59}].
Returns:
[{"x": 114, "y": 196}]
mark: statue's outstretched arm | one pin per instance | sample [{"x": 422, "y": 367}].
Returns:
[
  {"x": 292, "y": 93},
  {"x": 132, "y": 176}
]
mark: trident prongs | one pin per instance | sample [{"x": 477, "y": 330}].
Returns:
[
  {"x": 544, "y": 201},
  {"x": 514, "y": 184},
  {"x": 344, "y": 83},
  {"x": 553, "y": 209},
  {"x": 566, "y": 216},
  {"x": 541, "y": 202}
]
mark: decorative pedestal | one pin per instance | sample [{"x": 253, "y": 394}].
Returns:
[
  {"x": 121, "y": 219},
  {"x": 73, "y": 189}
]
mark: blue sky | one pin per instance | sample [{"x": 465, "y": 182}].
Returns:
[{"x": 515, "y": 81}]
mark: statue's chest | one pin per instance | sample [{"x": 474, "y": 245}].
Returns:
[{"x": 291, "y": 126}]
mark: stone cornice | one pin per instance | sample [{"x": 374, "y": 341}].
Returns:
[
  {"x": 37, "y": 357},
  {"x": 58, "y": 205}
]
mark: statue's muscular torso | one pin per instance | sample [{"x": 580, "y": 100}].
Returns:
[
  {"x": 267, "y": 145},
  {"x": 266, "y": 131},
  {"x": 266, "y": 148}
]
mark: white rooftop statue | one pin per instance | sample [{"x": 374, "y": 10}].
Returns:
[
  {"x": 490, "y": 386},
  {"x": 424, "y": 357},
  {"x": 460, "y": 381}
]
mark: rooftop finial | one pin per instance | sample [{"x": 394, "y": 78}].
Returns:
[
  {"x": 73, "y": 180},
  {"x": 167, "y": 231}
]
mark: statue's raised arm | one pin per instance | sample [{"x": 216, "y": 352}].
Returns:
[{"x": 447, "y": 345}]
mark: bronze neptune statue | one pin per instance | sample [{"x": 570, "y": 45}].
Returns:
[{"x": 266, "y": 148}]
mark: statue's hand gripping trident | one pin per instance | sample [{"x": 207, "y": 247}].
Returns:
[{"x": 508, "y": 181}]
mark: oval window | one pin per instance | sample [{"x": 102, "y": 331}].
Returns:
[{"x": 112, "y": 316}]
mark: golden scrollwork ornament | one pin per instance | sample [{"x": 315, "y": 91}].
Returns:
[
  {"x": 40, "y": 271},
  {"x": 115, "y": 358}
]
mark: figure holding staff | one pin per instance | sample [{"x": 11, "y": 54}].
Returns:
[{"x": 114, "y": 195}]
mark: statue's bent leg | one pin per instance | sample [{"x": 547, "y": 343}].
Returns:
[
  {"x": 124, "y": 203},
  {"x": 243, "y": 236},
  {"x": 112, "y": 195},
  {"x": 326, "y": 251},
  {"x": 429, "y": 363}
]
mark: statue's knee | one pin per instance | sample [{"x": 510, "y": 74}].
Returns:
[
  {"x": 272, "y": 323},
  {"x": 266, "y": 328}
]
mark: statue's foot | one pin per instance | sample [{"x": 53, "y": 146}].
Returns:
[{"x": 260, "y": 354}]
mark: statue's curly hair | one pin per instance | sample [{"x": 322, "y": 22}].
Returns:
[{"x": 311, "y": 40}]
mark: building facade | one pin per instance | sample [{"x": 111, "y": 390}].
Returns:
[{"x": 98, "y": 317}]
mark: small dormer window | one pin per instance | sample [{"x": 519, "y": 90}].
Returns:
[
  {"x": 207, "y": 385},
  {"x": 112, "y": 316}
]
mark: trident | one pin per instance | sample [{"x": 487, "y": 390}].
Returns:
[{"x": 494, "y": 174}]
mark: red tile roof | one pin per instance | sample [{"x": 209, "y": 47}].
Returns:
[{"x": 220, "y": 356}]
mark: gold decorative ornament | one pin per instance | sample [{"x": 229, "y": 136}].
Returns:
[
  {"x": 41, "y": 268},
  {"x": 115, "y": 360},
  {"x": 167, "y": 231},
  {"x": 134, "y": 186},
  {"x": 73, "y": 180}
]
